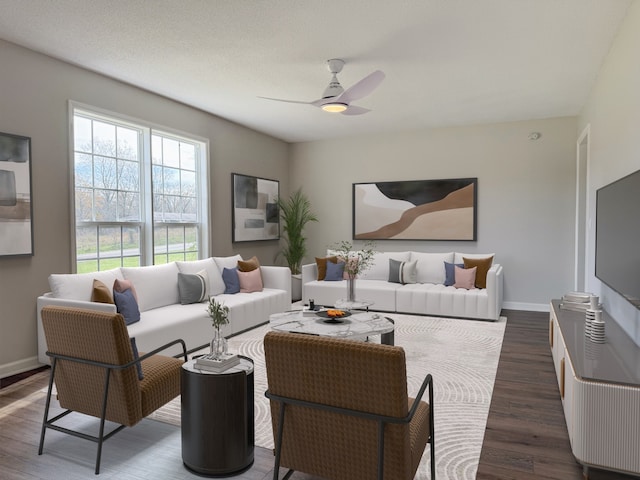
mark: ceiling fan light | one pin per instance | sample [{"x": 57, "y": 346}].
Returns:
[{"x": 334, "y": 107}]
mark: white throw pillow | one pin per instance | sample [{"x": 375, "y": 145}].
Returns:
[
  {"x": 78, "y": 286},
  {"x": 216, "y": 284},
  {"x": 227, "y": 262},
  {"x": 430, "y": 266},
  {"x": 156, "y": 285}
]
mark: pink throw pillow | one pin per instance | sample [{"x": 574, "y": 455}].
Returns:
[
  {"x": 465, "y": 278},
  {"x": 250, "y": 281},
  {"x": 352, "y": 264},
  {"x": 122, "y": 285}
]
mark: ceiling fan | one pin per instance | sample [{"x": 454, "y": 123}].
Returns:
[{"x": 336, "y": 99}]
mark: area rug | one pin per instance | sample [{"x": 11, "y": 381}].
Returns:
[{"x": 461, "y": 355}]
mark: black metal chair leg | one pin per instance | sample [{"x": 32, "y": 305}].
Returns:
[
  {"x": 102, "y": 419},
  {"x": 276, "y": 467},
  {"x": 46, "y": 408}
]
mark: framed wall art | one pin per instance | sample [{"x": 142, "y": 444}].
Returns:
[
  {"x": 255, "y": 208},
  {"x": 416, "y": 210},
  {"x": 16, "y": 211}
]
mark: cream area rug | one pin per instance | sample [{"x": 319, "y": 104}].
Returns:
[{"x": 461, "y": 355}]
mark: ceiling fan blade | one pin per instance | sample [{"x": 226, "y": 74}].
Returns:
[
  {"x": 355, "y": 110},
  {"x": 362, "y": 88},
  {"x": 288, "y": 101}
]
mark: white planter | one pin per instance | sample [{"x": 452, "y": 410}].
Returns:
[{"x": 296, "y": 287}]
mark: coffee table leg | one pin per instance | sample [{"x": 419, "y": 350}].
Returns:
[{"x": 388, "y": 338}]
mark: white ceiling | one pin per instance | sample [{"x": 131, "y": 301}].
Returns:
[{"x": 447, "y": 62}]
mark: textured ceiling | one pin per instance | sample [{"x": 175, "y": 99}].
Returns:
[{"x": 447, "y": 62}]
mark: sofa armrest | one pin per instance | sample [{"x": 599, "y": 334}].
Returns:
[
  {"x": 309, "y": 274},
  {"x": 494, "y": 290},
  {"x": 49, "y": 299},
  {"x": 276, "y": 277}
]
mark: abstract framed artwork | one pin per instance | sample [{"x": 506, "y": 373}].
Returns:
[
  {"x": 16, "y": 211},
  {"x": 255, "y": 208},
  {"x": 416, "y": 210}
]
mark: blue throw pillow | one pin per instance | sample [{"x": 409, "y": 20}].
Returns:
[
  {"x": 127, "y": 306},
  {"x": 335, "y": 271},
  {"x": 231, "y": 280},
  {"x": 450, "y": 273},
  {"x": 134, "y": 347}
]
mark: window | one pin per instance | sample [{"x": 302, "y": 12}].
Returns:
[{"x": 140, "y": 193}]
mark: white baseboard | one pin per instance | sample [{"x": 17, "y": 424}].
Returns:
[
  {"x": 13, "y": 368},
  {"x": 529, "y": 307}
]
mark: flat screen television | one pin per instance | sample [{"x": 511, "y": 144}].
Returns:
[{"x": 618, "y": 236}]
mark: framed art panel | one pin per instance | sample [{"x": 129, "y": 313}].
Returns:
[
  {"x": 416, "y": 210},
  {"x": 255, "y": 208},
  {"x": 16, "y": 211}
]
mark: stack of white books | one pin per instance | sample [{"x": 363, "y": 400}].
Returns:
[{"x": 217, "y": 365}]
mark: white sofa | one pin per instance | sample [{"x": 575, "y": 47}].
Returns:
[
  {"x": 162, "y": 317},
  {"x": 428, "y": 296}
]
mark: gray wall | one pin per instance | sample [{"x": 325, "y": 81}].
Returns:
[
  {"x": 612, "y": 114},
  {"x": 34, "y": 95},
  {"x": 526, "y": 194}
]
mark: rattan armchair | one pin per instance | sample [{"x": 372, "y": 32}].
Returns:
[
  {"x": 95, "y": 372},
  {"x": 340, "y": 409}
]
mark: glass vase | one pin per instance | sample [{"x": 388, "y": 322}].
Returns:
[
  {"x": 351, "y": 289},
  {"x": 218, "y": 344}
]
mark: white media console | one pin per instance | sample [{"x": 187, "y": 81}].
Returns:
[{"x": 600, "y": 390}]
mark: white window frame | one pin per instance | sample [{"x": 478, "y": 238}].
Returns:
[{"x": 147, "y": 222}]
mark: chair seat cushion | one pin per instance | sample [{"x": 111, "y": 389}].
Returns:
[{"x": 161, "y": 382}]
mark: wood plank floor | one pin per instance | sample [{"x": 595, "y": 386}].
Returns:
[{"x": 526, "y": 436}]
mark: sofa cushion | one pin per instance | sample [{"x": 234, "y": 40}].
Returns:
[
  {"x": 122, "y": 285},
  {"x": 379, "y": 268},
  {"x": 402, "y": 272},
  {"x": 227, "y": 262},
  {"x": 214, "y": 274},
  {"x": 79, "y": 286},
  {"x": 193, "y": 287},
  {"x": 248, "y": 265},
  {"x": 465, "y": 277},
  {"x": 157, "y": 285},
  {"x": 101, "y": 293},
  {"x": 231, "y": 280},
  {"x": 483, "y": 265},
  {"x": 335, "y": 272},
  {"x": 127, "y": 306},
  {"x": 431, "y": 266},
  {"x": 250, "y": 281},
  {"x": 321, "y": 263},
  {"x": 450, "y": 273}
]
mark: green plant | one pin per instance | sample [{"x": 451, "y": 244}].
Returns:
[
  {"x": 356, "y": 261},
  {"x": 295, "y": 213},
  {"x": 218, "y": 312}
]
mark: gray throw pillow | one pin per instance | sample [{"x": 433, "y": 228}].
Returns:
[{"x": 192, "y": 287}]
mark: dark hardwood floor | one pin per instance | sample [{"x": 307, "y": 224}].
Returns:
[{"x": 526, "y": 435}]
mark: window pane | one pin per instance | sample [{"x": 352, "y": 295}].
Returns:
[
  {"x": 191, "y": 239},
  {"x": 128, "y": 176},
  {"x": 86, "y": 243},
  {"x": 160, "y": 239},
  {"x": 131, "y": 241},
  {"x": 104, "y": 138},
  {"x": 83, "y": 170},
  {"x": 189, "y": 210},
  {"x": 171, "y": 177},
  {"x": 128, "y": 207},
  {"x": 170, "y": 152},
  {"x": 188, "y": 184},
  {"x": 127, "y": 143},
  {"x": 84, "y": 205},
  {"x": 105, "y": 205},
  {"x": 82, "y": 134},
  {"x": 176, "y": 239},
  {"x": 104, "y": 172},
  {"x": 109, "y": 242},
  {"x": 187, "y": 156}
]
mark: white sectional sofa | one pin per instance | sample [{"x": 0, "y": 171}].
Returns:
[
  {"x": 428, "y": 296},
  {"x": 162, "y": 317}
]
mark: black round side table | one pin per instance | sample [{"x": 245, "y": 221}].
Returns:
[{"x": 218, "y": 432}]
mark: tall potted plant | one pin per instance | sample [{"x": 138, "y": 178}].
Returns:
[{"x": 295, "y": 213}]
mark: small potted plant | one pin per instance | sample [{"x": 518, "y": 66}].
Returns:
[{"x": 219, "y": 314}]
